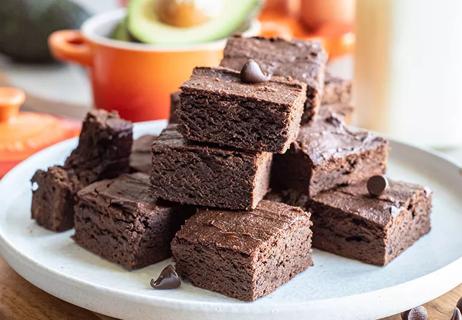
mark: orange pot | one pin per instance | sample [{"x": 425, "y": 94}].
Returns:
[{"x": 133, "y": 78}]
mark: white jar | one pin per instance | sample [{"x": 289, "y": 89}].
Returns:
[{"x": 408, "y": 69}]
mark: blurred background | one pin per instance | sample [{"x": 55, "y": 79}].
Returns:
[{"x": 402, "y": 56}]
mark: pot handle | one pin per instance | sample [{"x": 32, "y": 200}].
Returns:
[{"x": 70, "y": 45}]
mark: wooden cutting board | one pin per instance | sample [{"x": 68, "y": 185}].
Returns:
[{"x": 21, "y": 300}]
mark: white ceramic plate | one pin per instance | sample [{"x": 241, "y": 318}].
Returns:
[{"x": 335, "y": 288}]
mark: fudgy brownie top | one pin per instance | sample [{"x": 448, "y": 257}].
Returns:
[
  {"x": 328, "y": 137},
  {"x": 299, "y": 59},
  {"x": 241, "y": 231},
  {"x": 66, "y": 178},
  {"x": 222, "y": 81},
  {"x": 129, "y": 192},
  {"x": 171, "y": 138},
  {"x": 380, "y": 210}
]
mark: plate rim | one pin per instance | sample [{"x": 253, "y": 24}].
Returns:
[{"x": 18, "y": 260}]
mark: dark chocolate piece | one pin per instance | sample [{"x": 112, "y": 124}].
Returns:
[
  {"x": 209, "y": 176},
  {"x": 456, "y": 314},
  {"x": 244, "y": 254},
  {"x": 327, "y": 154},
  {"x": 251, "y": 73},
  {"x": 417, "y": 313},
  {"x": 122, "y": 222},
  {"x": 216, "y": 107},
  {"x": 141, "y": 156},
  {"x": 168, "y": 279},
  {"x": 53, "y": 200},
  {"x": 351, "y": 223},
  {"x": 377, "y": 184},
  {"x": 302, "y": 60}
]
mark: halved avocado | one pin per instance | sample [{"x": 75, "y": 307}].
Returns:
[
  {"x": 120, "y": 32},
  {"x": 145, "y": 25}
]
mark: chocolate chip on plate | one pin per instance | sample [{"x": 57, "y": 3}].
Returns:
[
  {"x": 417, "y": 313},
  {"x": 456, "y": 315},
  {"x": 168, "y": 279},
  {"x": 376, "y": 185},
  {"x": 252, "y": 73}
]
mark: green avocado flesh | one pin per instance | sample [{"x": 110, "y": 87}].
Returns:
[
  {"x": 120, "y": 32},
  {"x": 145, "y": 26}
]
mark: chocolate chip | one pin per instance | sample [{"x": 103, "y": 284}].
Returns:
[
  {"x": 251, "y": 73},
  {"x": 417, "y": 313},
  {"x": 459, "y": 304},
  {"x": 456, "y": 315},
  {"x": 168, "y": 279},
  {"x": 376, "y": 185}
]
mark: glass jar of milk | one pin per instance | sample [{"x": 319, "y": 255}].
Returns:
[{"x": 408, "y": 69}]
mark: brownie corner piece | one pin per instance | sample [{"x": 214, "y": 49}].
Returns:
[
  {"x": 245, "y": 255},
  {"x": 120, "y": 221},
  {"x": 211, "y": 176},
  {"x": 104, "y": 147},
  {"x": 328, "y": 153},
  {"x": 217, "y": 107},
  {"x": 53, "y": 198},
  {"x": 351, "y": 223}
]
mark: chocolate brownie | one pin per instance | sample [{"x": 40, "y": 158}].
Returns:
[
  {"x": 247, "y": 254},
  {"x": 336, "y": 90},
  {"x": 141, "y": 156},
  {"x": 302, "y": 60},
  {"x": 350, "y": 222},
  {"x": 209, "y": 176},
  {"x": 327, "y": 154},
  {"x": 217, "y": 107},
  {"x": 53, "y": 199},
  {"x": 174, "y": 104},
  {"x": 103, "y": 152},
  {"x": 122, "y": 222},
  {"x": 104, "y": 147}
]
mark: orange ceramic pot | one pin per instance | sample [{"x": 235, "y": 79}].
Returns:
[{"x": 133, "y": 78}]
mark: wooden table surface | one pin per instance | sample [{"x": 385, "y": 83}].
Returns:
[{"x": 21, "y": 300}]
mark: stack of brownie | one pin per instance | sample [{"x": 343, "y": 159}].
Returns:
[
  {"x": 257, "y": 162},
  {"x": 233, "y": 138}
]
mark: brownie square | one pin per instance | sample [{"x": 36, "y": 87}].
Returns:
[
  {"x": 122, "y": 222},
  {"x": 302, "y": 60},
  {"x": 209, "y": 176},
  {"x": 247, "y": 254},
  {"x": 217, "y": 107},
  {"x": 351, "y": 223},
  {"x": 53, "y": 193},
  {"x": 327, "y": 154},
  {"x": 104, "y": 147},
  {"x": 141, "y": 156}
]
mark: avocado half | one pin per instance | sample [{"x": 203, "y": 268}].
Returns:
[
  {"x": 144, "y": 24},
  {"x": 26, "y": 24}
]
